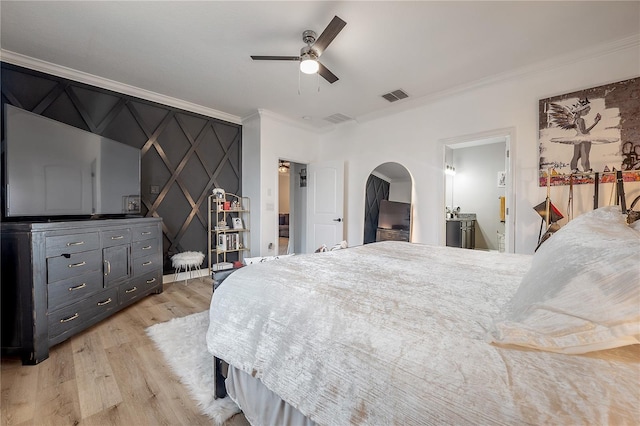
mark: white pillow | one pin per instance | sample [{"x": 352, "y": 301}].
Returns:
[{"x": 582, "y": 293}]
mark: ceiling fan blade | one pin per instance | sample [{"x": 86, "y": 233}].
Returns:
[
  {"x": 275, "y": 58},
  {"x": 335, "y": 26},
  {"x": 326, "y": 74}
]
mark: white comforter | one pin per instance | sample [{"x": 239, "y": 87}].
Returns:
[{"x": 395, "y": 333}]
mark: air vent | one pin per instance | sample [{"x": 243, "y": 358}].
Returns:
[
  {"x": 337, "y": 118},
  {"x": 396, "y": 95}
]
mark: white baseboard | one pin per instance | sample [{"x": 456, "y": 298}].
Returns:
[{"x": 185, "y": 276}]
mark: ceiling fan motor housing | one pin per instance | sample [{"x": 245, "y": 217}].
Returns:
[
  {"x": 308, "y": 53},
  {"x": 309, "y": 37}
]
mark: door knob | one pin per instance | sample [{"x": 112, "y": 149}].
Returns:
[{"x": 338, "y": 219}]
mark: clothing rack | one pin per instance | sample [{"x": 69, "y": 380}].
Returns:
[
  {"x": 613, "y": 172},
  {"x": 619, "y": 184}
]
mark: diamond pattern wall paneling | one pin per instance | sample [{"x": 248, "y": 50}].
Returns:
[
  {"x": 377, "y": 190},
  {"x": 184, "y": 155}
]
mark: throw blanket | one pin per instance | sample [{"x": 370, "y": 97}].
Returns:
[{"x": 395, "y": 333}]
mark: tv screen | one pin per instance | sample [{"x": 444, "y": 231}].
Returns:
[
  {"x": 53, "y": 169},
  {"x": 394, "y": 215}
]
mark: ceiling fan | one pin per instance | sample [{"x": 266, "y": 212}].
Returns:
[{"x": 310, "y": 53}]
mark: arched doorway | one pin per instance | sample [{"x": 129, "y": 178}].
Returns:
[{"x": 389, "y": 188}]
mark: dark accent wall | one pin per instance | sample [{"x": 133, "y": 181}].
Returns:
[
  {"x": 376, "y": 191},
  {"x": 184, "y": 155}
]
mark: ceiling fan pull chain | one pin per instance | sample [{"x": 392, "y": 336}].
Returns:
[{"x": 318, "y": 81}]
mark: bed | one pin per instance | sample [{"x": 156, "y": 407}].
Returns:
[{"x": 408, "y": 334}]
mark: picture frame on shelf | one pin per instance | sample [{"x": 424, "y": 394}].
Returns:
[
  {"x": 222, "y": 242},
  {"x": 237, "y": 223}
]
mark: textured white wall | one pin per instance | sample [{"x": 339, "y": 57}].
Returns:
[{"x": 411, "y": 137}]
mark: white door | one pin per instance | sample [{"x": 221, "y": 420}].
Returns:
[{"x": 325, "y": 203}]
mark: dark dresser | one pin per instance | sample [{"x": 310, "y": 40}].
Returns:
[{"x": 59, "y": 278}]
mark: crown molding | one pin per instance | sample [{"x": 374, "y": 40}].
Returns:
[
  {"x": 104, "y": 83},
  {"x": 632, "y": 42},
  {"x": 286, "y": 120}
]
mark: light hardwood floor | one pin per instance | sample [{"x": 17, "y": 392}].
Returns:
[{"x": 110, "y": 374}]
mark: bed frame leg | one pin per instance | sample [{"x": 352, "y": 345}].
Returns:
[{"x": 218, "y": 379}]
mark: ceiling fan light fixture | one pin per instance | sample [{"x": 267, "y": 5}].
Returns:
[{"x": 309, "y": 64}]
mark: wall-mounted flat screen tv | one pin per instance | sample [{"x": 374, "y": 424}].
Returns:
[
  {"x": 53, "y": 169},
  {"x": 394, "y": 215}
]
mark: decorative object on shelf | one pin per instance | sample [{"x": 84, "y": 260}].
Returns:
[
  {"x": 218, "y": 193},
  {"x": 237, "y": 223},
  {"x": 131, "y": 204}
]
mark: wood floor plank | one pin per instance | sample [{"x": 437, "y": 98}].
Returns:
[
  {"x": 58, "y": 405},
  {"x": 97, "y": 388},
  {"x": 110, "y": 374},
  {"x": 18, "y": 402},
  {"x": 59, "y": 369}
]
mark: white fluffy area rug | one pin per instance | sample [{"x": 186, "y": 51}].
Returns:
[{"x": 183, "y": 343}]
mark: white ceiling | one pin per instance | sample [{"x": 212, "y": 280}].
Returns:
[{"x": 199, "y": 51}]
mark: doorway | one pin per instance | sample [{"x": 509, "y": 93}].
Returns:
[
  {"x": 478, "y": 181},
  {"x": 292, "y": 207},
  {"x": 389, "y": 188}
]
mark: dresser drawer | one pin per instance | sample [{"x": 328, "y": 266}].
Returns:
[
  {"x": 77, "y": 315},
  {"x": 73, "y": 265},
  {"x": 131, "y": 290},
  {"x": 144, "y": 233},
  {"x": 116, "y": 237},
  {"x": 66, "y": 292},
  {"x": 147, "y": 264},
  {"x": 145, "y": 248},
  {"x": 149, "y": 281},
  {"x": 73, "y": 243}
]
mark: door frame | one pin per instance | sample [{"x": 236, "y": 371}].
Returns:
[{"x": 485, "y": 138}]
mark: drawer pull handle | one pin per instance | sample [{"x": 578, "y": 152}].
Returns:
[
  {"x": 152, "y": 280},
  {"x": 146, "y": 233},
  {"x": 108, "y": 271},
  {"x": 75, "y": 265},
  {"x": 71, "y": 318},
  {"x": 147, "y": 263},
  {"x": 106, "y": 302},
  {"x": 117, "y": 237},
  {"x": 77, "y": 243},
  {"x": 78, "y": 287},
  {"x": 146, "y": 248},
  {"x": 131, "y": 290}
]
